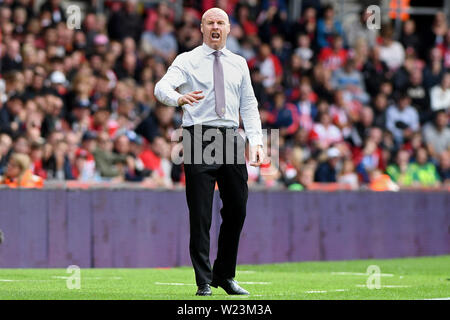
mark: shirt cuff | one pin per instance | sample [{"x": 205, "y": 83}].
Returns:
[
  {"x": 255, "y": 141},
  {"x": 174, "y": 97}
]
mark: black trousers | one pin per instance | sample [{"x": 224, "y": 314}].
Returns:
[{"x": 201, "y": 178}]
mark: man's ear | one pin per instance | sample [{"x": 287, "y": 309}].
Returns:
[{"x": 201, "y": 27}]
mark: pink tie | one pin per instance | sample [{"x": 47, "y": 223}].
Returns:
[{"x": 219, "y": 85}]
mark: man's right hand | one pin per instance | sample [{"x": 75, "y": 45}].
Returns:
[{"x": 190, "y": 98}]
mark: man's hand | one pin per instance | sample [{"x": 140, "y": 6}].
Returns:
[
  {"x": 190, "y": 98},
  {"x": 256, "y": 155}
]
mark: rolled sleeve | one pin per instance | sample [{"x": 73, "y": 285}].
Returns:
[
  {"x": 249, "y": 109},
  {"x": 165, "y": 88}
]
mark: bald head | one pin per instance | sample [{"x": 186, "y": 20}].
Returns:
[
  {"x": 215, "y": 11},
  {"x": 215, "y": 28}
]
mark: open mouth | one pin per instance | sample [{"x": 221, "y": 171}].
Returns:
[{"x": 215, "y": 35}]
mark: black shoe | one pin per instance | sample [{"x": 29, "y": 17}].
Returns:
[
  {"x": 203, "y": 290},
  {"x": 230, "y": 286}
]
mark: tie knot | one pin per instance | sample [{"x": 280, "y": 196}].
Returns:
[{"x": 217, "y": 53}]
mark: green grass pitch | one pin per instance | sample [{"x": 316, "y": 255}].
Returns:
[{"x": 405, "y": 278}]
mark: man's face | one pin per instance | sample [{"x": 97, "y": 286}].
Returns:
[
  {"x": 215, "y": 28},
  {"x": 441, "y": 120}
]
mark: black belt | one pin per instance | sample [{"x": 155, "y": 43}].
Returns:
[{"x": 205, "y": 128}]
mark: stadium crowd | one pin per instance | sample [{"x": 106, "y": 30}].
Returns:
[{"x": 353, "y": 106}]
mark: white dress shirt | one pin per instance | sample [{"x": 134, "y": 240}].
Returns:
[{"x": 193, "y": 71}]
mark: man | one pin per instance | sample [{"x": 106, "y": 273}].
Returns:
[
  {"x": 402, "y": 119},
  {"x": 161, "y": 42},
  {"x": 201, "y": 76},
  {"x": 326, "y": 171},
  {"x": 437, "y": 134}
]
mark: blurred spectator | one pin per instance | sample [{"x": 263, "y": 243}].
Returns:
[
  {"x": 272, "y": 19},
  {"x": 307, "y": 25},
  {"x": 327, "y": 171},
  {"x": 281, "y": 115},
  {"x": 128, "y": 68},
  {"x": 434, "y": 36},
  {"x": 418, "y": 93},
  {"x": 358, "y": 29},
  {"x": 437, "y": 135},
  {"x": 281, "y": 49},
  {"x": 444, "y": 167},
  {"x": 305, "y": 179},
  {"x": 306, "y": 108},
  {"x": 391, "y": 51},
  {"x": 84, "y": 166},
  {"x": 322, "y": 82},
  {"x": 107, "y": 163},
  {"x": 334, "y": 56},
  {"x": 328, "y": 28},
  {"x": 444, "y": 50},
  {"x": 54, "y": 10},
  {"x": 304, "y": 51},
  {"x": 127, "y": 144},
  {"x": 125, "y": 23},
  {"x": 12, "y": 59},
  {"x": 440, "y": 94},
  {"x": 409, "y": 38},
  {"x": 12, "y": 116},
  {"x": 433, "y": 72},
  {"x": 162, "y": 9},
  {"x": 325, "y": 133},
  {"x": 381, "y": 182},
  {"x": 343, "y": 112},
  {"x": 160, "y": 42},
  {"x": 351, "y": 80},
  {"x": 368, "y": 159},
  {"x": 362, "y": 127},
  {"x": 375, "y": 71},
  {"x": 157, "y": 160},
  {"x": 400, "y": 171},
  {"x": 5, "y": 151},
  {"x": 58, "y": 166},
  {"x": 402, "y": 118},
  {"x": 245, "y": 20},
  {"x": 348, "y": 175},
  {"x": 236, "y": 34},
  {"x": 18, "y": 173},
  {"x": 380, "y": 105},
  {"x": 423, "y": 171},
  {"x": 269, "y": 66}
]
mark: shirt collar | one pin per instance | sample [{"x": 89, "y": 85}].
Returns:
[{"x": 208, "y": 50}]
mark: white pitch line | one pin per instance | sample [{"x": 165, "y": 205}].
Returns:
[
  {"x": 385, "y": 286},
  {"x": 340, "y": 290},
  {"x": 447, "y": 298},
  {"x": 325, "y": 291},
  {"x": 90, "y": 278},
  {"x": 174, "y": 284},
  {"x": 361, "y": 274},
  {"x": 246, "y": 271},
  {"x": 191, "y": 284},
  {"x": 24, "y": 280}
]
